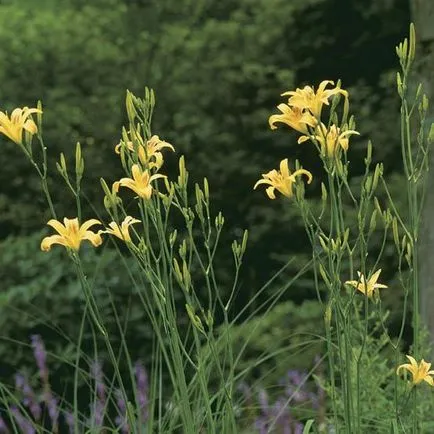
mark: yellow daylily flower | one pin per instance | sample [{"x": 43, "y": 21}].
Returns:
[
  {"x": 19, "y": 120},
  {"x": 152, "y": 151},
  {"x": 71, "y": 234},
  {"x": 122, "y": 231},
  {"x": 367, "y": 287},
  {"x": 331, "y": 138},
  {"x": 282, "y": 180},
  {"x": 307, "y": 98},
  {"x": 419, "y": 371},
  {"x": 294, "y": 117},
  {"x": 140, "y": 183},
  {"x": 149, "y": 154}
]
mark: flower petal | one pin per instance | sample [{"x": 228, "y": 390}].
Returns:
[{"x": 47, "y": 242}]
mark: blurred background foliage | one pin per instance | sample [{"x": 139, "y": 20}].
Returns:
[{"x": 218, "y": 68}]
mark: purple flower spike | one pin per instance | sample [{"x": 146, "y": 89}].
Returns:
[
  {"x": 96, "y": 370},
  {"x": 3, "y": 427},
  {"x": 40, "y": 356},
  {"x": 263, "y": 400},
  {"x": 98, "y": 413},
  {"x": 298, "y": 428},
  {"x": 25, "y": 425},
  {"x": 261, "y": 424},
  {"x": 142, "y": 389},
  {"x": 100, "y": 399},
  {"x": 121, "y": 419},
  {"x": 29, "y": 399},
  {"x": 69, "y": 419},
  {"x": 244, "y": 388},
  {"x": 53, "y": 412}
]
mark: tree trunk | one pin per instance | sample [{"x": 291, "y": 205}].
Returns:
[{"x": 423, "y": 17}]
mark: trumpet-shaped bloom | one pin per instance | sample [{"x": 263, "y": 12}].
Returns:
[
  {"x": 122, "y": 231},
  {"x": 294, "y": 117},
  {"x": 367, "y": 287},
  {"x": 149, "y": 154},
  {"x": 19, "y": 120},
  {"x": 140, "y": 183},
  {"x": 419, "y": 371},
  {"x": 308, "y": 99},
  {"x": 282, "y": 180},
  {"x": 71, "y": 234},
  {"x": 330, "y": 139}
]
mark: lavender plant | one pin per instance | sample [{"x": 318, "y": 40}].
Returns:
[{"x": 39, "y": 410}]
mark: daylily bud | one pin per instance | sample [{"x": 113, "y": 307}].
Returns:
[
  {"x": 368, "y": 184},
  {"x": 328, "y": 315},
  {"x": 61, "y": 167},
  {"x": 196, "y": 321},
  {"x": 244, "y": 242},
  {"x": 431, "y": 134},
  {"x": 323, "y": 192},
  {"x": 323, "y": 241},
  {"x": 39, "y": 116},
  {"x": 183, "y": 174},
  {"x": 373, "y": 222},
  {"x": 395, "y": 231},
  {"x": 183, "y": 249},
  {"x": 368, "y": 158},
  {"x": 186, "y": 276},
  {"x": 209, "y": 319},
  {"x": 412, "y": 45},
  {"x": 199, "y": 202},
  {"x": 219, "y": 221},
  {"x": 206, "y": 189},
  {"x": 399, "y": 84},
  {"x": 172, "y": 238},
  {"x": 178, "y": 274},
  {"x": 324, "y": 275},
  {"x": 377, "y": 173},
  {"x": 79, "y": 162},
  {"x": 129, "y": 104}
]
